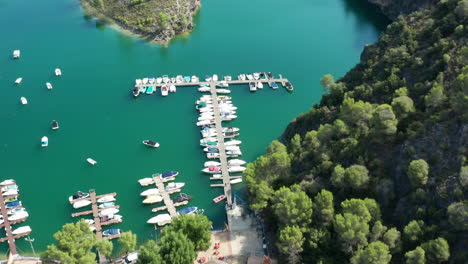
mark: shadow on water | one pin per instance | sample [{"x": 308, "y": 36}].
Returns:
[
  {"x": 101, "y": 25},
  {"x": 367, "y": 14}
]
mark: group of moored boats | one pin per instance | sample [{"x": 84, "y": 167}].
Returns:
[
  {"x": 15, "y": 212},
  {"x": 106, "y": 207},
  {"x": 155, "y": 195},
  {"x": 213, "y": 138},
  {"x": 169, "y": 84}
]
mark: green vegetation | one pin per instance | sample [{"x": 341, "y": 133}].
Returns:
[
  {"x": 152, "y": 19},
  {"x": 377, "y": 172},
  {"x": 128, "y": 241}
]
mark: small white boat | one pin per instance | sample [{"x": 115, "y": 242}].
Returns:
[
  {"x": 173, "y": 80},
  {"x": 17, "y": 216},
  {"x": 223, "y": 91},
  {"x": 16, "y": 210},
  {"x": 204, "y": 89},
  {"x": 174, "y": 185},
  {"x": 212, "y": 170},
  {"x": 91, "y": 161},
  {"x": 236, "y": 169},
  {"x": 106, "y": 205},
  {"x": 159, "y": 219},
  {"x": 137, "y": 81},
  {"x": 234, "y": 152},
  {"x": 212, "y": 155},
  {"x": 217, "y": 176},
  {"x": 241, "y": 77},
  {"x": 250, "y": 77},
  {"x": 49, "y": 85},
  {"x": 236, "y": 162},
  {"x": 108, "y": 211},
  {"x": 44, "y": 141},
  {"x": 205, "y": 117},
  {"x": 205, "y": 122},
  {"x": 81, "y": 204},
  {"x": 228, "y": 78},
  {"x": 158, "y": 80},
  {"x": 172, "y": 88},
  {"x": 180, "y": 79},
  {"x": 252, "y": 86},
  {"x": 21, "y": 230},
  {"x": 256, "y": 75},
  {"x": 153, "y": 199},
  {"x": 146, "y": 181},
  {"x": 212, "y": 164},
  {"x": 18, "y": 81},
  {"x": 89, "y": 221},
  {"x": 260, "y": 85},
  {"x": 232, "y": 147},
  {"x": 232, "y": 142},
  {"x": 145, "y": 80},
  {"x": 164, "y": 90},
  {"x": 215, "y": 77},
  {"x": 206, "y": 140},
  {"x": 24, "y": 100},
  {"x": 10, "y": 192},
  {"x": 234, "y": 181},
  {"x": 165, "y": 79},
  {"x": 106, "y": 199},
  {"x": 230, "y": 129},
  {"x": 16, "y": 54},
  {"x": 58, "y": 72},
  {"x": 194, "y": 79},
  {"x": 152, "y": 191},
  {"x": 222, "y": 84},
  {"x": 7, "y": 182}
]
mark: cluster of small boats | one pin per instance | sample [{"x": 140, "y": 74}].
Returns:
[
  {"x": 167, "y": 84},
  {"x": 155, "y": 195},
  {"x": 106, "y": 207},
  {"x": 15, "y": 212}
]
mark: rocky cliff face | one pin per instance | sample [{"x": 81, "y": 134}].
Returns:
[{"x": 394, "y": 8}]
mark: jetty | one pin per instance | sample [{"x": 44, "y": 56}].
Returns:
[
  {"x": 7, "y": 225},
  {"x": 95, "y": 210}
]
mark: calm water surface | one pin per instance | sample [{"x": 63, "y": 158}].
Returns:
[{"x": 98, "y": 118}]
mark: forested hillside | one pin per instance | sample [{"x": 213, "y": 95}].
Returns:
[{"x": 377, "y": 172}]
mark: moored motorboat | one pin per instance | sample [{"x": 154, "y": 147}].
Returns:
[
  {"x": 169, "y": 174},
  {"x": 187, "y": 78},
  {"x": 219, "y": 198},
  {"x": 174, "y": 186},
  {"x": 236, "y": 169},
  {"x": 228, "y": 78},
  {"x": 236, "y": 162},
  {"x": 108, "y": 212},
  {"x": 215, "y": 77},
  {"x": 212, "y": 170},
  {"x": 7, "y": 182},
  {"x": 208, "y": 78},
  {"x": 81, "y": 204},
  {"x": 212, "y": 155},
  {"x": 18, "y": 216},
  {"x": 249, "y": 77},
  {"x": 89, "y": 221},
  {"x": 58, "y": 72},
  {"x": 164, "y": 90},
  {"x": 10, "y": 192},
  {"x": 55, "y": 125},
  {"x": 223, "y": 91},
  {"x": 187, "y": 210},
  {"x": 232, "y": 147},
  {"x": 111, "y": 232},
  {"x": 274, "y": 85},
  {"x": 234, "y": 181},
  {"x": 146, "y": 181},
  {"x": 204, "y": 89},
  {"x": 44, "y": 141},
  {"x": 269, "y": 75},
  {"x": 49, "y": 86},
  {"x": 256, "y": 75},
  {"x": 105, "y": 199},
  {"x": 172, "y": 88},
  {"x": 211, "y": 149},
  {"x": 150, "y": 89},
  {"x": 24, "y": 100},
  {"x": 151, "y": 143},
  {"x": 259, "y": 85},
  {"x": 152, "y": 191},
  {"x": 106, "y": 205},
  {"x": 288, "y": 86},
  {"x": 9, "y": 187},
  {"x": 232, "y": 142},
  {"x": 16, "y": 210},
  {"x": 91, "y": 161},
  {"x": 78, "y": 195},
  {"x": 13, "y": 204},
  {"x": 194, "y": 79},
  {"x": 182, "y": 198},
  {"x": 241, "y": 77},
  {"x": 18, "y": 80},
  {"x": 165, "y": 79},
  {"x": 212, "y": 164},
  {"x": 159, "y": 219},
  {"x": 151, "y": 199},
  {"x": 179, "y": 79},
  {"x": 173, "y": 80},
  {"x": 222, "y": 84},
  {"x": 21, "y": 230},
  {"x": 158, "y": 80},
  {"x": 252, "y": 86}
]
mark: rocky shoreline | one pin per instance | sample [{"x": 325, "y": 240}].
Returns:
[{"x": 154, "y": 20}]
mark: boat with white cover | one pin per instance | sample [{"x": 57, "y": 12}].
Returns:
[
  {"x": 164, "y": 90},
  {"x": 151, "y": 199},
  {"x": 81, "y": 204},
  {"x": 10, "y": 192},
  {"x": 17, "y": 216},
  {"x": 146, "y": 181},
  {"x": 105, "y": 199},
  {"x": 174, "y": 186},
  {"x": 16, "y": 210},
  {"x": 49, "y": 86},
  {"x": 172, "y": 88},
  {"x": 19, "y": 80},
  {"x": 256, "y": 75},
  {"x": 223, "y": 91},
  {"x": 236, "y": 162},
  {"x": 212, "y": 164},
  {"x": 7, "y": 182},
  {"x": 236, "y": 169},
  {"x": 91, "y": 161},
  {"x": 108, "y": 211},
  {"x": 204, "y": 89},
  {"x": 212, "y": 155},
  {"x": 241, "y": 77},
  {"x": 24, "y": 100},
  {"x": 234, "y": 181},
  {"x": 152, "y": 191},
  {"x": 159, "y": 219},
  {"x": 44, "y": 141},
  {"x": 16, "y": 54},
  {"x": 260, "y": 85},
  {"x": 58, "y": 72},
  {"x": 21, "y": 230},
  {"x": 232, "y": 142}
]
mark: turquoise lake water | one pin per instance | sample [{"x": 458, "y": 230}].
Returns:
[{"x": 303, "y": 40}]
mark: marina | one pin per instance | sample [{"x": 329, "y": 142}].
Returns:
[{"x": 8, "y": 212}]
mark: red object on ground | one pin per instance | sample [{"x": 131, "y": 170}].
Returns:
[
  {"x": 216, "y": 252},
  {"x": 216, "y": 245},
  {"x": 221, "y": 258}
]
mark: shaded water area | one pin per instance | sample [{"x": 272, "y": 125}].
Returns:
[{"x": 303, "y": 40}]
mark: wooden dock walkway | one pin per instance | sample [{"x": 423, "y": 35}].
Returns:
[
  {"x": 8, "y": 224},
  {"x": 221, "y": 148},
  {"x": 165, "y": 195}
]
